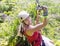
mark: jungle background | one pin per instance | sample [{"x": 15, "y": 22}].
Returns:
[{"x": 9, "y": 21}]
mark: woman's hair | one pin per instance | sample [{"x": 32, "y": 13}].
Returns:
[
  {"x": 22, "y": 30},
  {"x": 24, "y": 23}
]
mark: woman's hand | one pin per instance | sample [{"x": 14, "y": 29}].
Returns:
[
  {"x": 37, "y": 17},
  {"x": 38, "y": 14}
]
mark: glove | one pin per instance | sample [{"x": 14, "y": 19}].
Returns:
[
  {"x": 45, "y": 13},
  {"x": 45, "y": 10}
]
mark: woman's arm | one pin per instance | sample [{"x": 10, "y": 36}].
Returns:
[
  {"x": 40, "y": 25},
  {"x": 37, "y": 17}
]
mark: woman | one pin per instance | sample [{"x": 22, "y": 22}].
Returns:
[{"x": 33, "y": 33}]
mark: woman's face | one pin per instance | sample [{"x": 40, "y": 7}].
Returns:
[{"x": 28, "y": 21}]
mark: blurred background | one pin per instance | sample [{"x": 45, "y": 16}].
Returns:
[{"x": 9, "y": 21}]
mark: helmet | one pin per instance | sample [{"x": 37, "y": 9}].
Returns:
[{"x": 23, "y": 15}]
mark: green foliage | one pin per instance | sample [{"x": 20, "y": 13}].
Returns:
[{"x": 8, "y": 29}]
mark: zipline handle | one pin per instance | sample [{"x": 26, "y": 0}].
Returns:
[
  {"x": 37, "y": 2},
  {"x": 38, "y": 5}
]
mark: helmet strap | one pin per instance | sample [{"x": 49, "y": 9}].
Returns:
[{"x": 24, "y": 23}]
